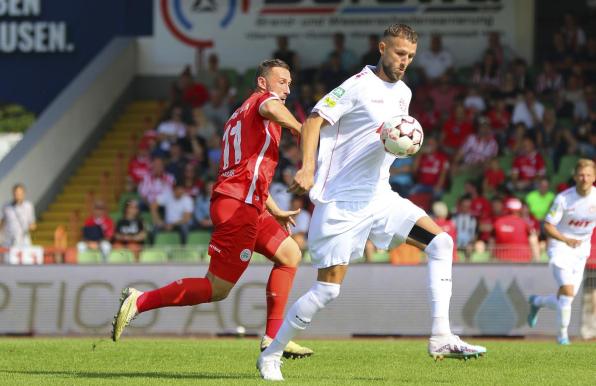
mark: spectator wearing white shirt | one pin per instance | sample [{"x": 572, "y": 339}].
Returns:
[
  {"x": 171, "y": 130},
  {"x": 477, "y": 150},
  {"x": 528, "y": 111},
  {"x": 436, "y": 61},
  {"x": 18, "y": 219},
  {"x": 178, "y": 209},
  {"x": 155, "y": 185}
]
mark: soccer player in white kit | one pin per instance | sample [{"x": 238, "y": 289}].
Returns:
[
  {"x": 354, "y": 201},
  {"x": 569, "y": 225}
]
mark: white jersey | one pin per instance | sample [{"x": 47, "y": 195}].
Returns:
[
  {"x": 574, "y": 216},
  {"x": 352, "y": 164}
]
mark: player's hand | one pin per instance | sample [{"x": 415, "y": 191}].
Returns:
[
  {"x": 303, "y": 181},
  {"x": 573, "y": 243},
  {"x": 286, "y": 218}
]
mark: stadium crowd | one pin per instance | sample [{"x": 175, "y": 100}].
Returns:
[{"x": 501, "y": 137}]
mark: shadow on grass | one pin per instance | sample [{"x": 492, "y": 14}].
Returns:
[{"x": 104, "y": 375}]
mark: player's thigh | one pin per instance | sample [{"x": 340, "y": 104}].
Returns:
[
  {"x": 394, "y": 219},
  {"x": 275, "y": 243},
  {"x": 233, "y": 238},
  {"x": 568, "y": 278},
  {"x": 338, "y": 232}
]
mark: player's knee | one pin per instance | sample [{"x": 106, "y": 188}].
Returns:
[
  {"x": 290, "y": 255},
  {"x": 324, "y": 293},
  {"x": 567, "y": 290},
  {"x": 440, "y": 247}
]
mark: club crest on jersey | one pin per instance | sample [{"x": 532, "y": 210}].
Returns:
[
  {"x": 245, "y": 255},
  {"x": 338, "y": 92},
  {"x": 330, "y": 102}
]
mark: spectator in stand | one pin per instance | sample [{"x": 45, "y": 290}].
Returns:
[
  {"x": 528, "y": 167},
  {"x": 502, "y": 53},
  {"x": 537, "y": 242},
  {"x": 444, "y": 95},
  {"x": 98, "y": 230},
  {"x": 528, "y": 110},
  {"x": 202, "y": 214},
  {"x": 217, "y": 110},
  {"x": 188, "y": 93},
  {"x": 200, "y": 126},
  {"x": 521, "y": 79},
  {"x": 290, "y": 156},
  {"x": 430, "y": 168},
  {"x": 574, "y": 35},
  {"x": 500, "y": 120},
  {"x": 474, "y": 102},
  {"x": 588, "y": 61},
  {"x": 333, "y": 74},
  {"x": 477, "y": 150},
  {"x": 429, "y": 117},
  {"x": 373, "y": 55},
  {"x": 401, "y": 176},
  {"x": 302, "y": 105},
  {"x": 540, "y": 199},
  {"x": 549, "y": 82},
  {"x": 278, "y": 190},
  {"x": 572, "y": 100},
  {"x": 140, "y": 164},
  {"x": 156, "y": 185},
  {"x": 347, "y": 59},
  {"x": 170, "y": 130},
  {"x": 192, "y": 184},
  {"x": 302, "y": 220},
  {"x": 508, "y": 91},
  {"x": 177, "y": 161},
  {"x": 512, "y": 234},
  {"x": 561, "y": 56},
  {"x": 284, "y": 53},
  {"x": 441, "y": 217},
  {"x": 455, "y": 131},
  {"x": 206, "y": 75},
  {"x": 18, "y": 219},
  {"x": 486, "y": 74},
  {"x": 436, "y": 61},
  {"x": 465, "y": 225},
  {"x": 494, "y": 177},
  {"x": 130, "y": 231},
  {"x": 178, "y": 209},
  {"x": 480, "y": 206}
]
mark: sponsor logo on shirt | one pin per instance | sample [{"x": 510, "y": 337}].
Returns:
[
  {"x": 330, "y": 102},
  {"x": 229, "y": 173},
  {"x": 245, "y": 255},
  {"x": 338, "y": 92},
  {"x": 211, "y": 246}
]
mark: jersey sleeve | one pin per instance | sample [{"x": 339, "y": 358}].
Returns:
[
  {"x": 340, "y": 101},
  {"x": 555, "y": 214},
  {"x": 267, "y": 96}
]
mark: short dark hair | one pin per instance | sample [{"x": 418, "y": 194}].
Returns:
[
  {"x": 268, "y": 64},
  {"x": 403, "y": 31}
]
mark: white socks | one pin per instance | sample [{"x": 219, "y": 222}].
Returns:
[
  {"x": 564, "y": 314},
  {"x": 300, "y": 315},
  {"x": 549, "y": 301},
  {"x": 440, "y": 255}
]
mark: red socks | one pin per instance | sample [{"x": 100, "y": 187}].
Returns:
[
  {"x": 278, "y": 291},
  {"x": 183, "y": 292}
]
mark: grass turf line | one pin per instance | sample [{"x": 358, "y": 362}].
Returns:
[{"x": 74, "y": 361}]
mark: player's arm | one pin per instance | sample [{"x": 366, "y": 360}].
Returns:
[
  {"x": 552, "y": 231},
  {"x": 275, "y": 110},
  {"x": 284, "y": 217},
  {"x": 305, "y": 177}
]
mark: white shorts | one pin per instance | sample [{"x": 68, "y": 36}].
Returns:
[
  {"x": 569, "y": 276},
  {"x": 339, "y": 229}
]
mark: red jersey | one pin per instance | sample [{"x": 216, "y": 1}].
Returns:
[
  {"x": 249, "y": 153},
  {"x": 456, "y": 133},
  {"x": 494, "y": 177},
  {"x": 104, "y": 222},
  {"x": 430, "y": 168},
  {"x": 481, "y": 207},
  {"x": 138, "y": 168},
  {"x": 511, "y": 239},
  {"x": 528, "y": 166}
]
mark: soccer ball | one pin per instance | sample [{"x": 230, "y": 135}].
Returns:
[{"x": 402, "y": 136}]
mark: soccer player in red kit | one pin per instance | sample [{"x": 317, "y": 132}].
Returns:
[{"x": 244, "y": 216}]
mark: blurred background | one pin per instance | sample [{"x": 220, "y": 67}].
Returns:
[{"x": 111, "y": 117}]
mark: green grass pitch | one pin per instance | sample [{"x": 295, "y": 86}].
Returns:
[{"x": 136, "y": 361}]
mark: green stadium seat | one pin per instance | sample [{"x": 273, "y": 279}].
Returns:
[
  {"x": 121, "y": 256},
  {"x": 199, "y": 238},
  {"x": 505, "y": 162},
  {"x": 115, "y": 216},
  {"x": 167, "y": 239},
  {"x": 480, "y": 257},
  {"x": 89, "y": 257},
  {"x": 185, "y": 255},
  {"x": 567, "y": 165},
  {"x": 153, "y": 256}
]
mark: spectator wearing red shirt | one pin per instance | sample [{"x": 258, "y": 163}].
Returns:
[
  {"x": 156, "y": 185},
  {"x": 512, "y": 234},
  {"x": 477, "y": 150},
  {"x": 455, "y": 130},
  {"x": 444, "y": 95},
  {"x": 98, "y": 230},
  {"x": 528, "y": 167},
  {"x": 500, "y": 119},
  {"x": 441, "y": 214},
  {"x": 140, "y": 165},
  {"x": 494, "y": 177},
  {"x": 430, "y": 169},
  {"x": 480, "y": 205},
  {"x": 429, "y": 117}
]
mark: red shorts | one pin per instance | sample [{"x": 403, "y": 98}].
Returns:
[{"x": 239, "y": 229}]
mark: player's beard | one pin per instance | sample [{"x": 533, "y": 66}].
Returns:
[{"x": 393, "y": 76}]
